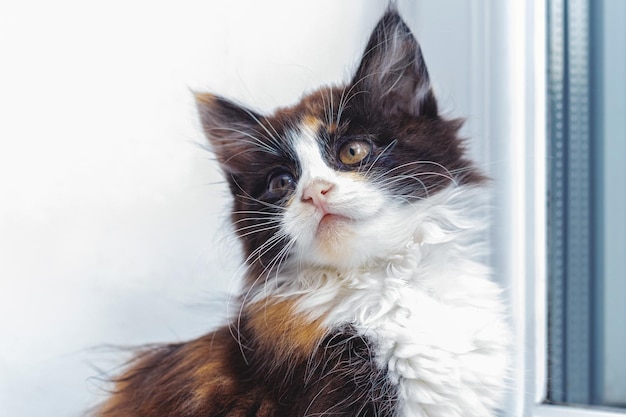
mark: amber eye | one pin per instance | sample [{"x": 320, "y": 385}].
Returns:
[
  {"x": 280, "y": 184},
  {"x": 354, "y": 151}
]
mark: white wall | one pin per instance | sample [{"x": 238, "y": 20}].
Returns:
[{"x": 111, "y": 220}]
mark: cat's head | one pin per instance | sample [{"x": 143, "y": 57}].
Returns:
[{"x": 334, "y": 180}]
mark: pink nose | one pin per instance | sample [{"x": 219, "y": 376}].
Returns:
[{"x": 316, "y": 192}]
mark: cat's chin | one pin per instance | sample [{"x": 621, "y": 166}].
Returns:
[
  {"x": 331, "y": 236},
  {"x": 346, "y": 243}
]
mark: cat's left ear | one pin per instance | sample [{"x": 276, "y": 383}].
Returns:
[
  {"x": 230, "y": 128},
  {"x": 392, "y": 74}
]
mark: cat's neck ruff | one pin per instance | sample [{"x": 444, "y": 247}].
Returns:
[{"x": 445, "y": 244}]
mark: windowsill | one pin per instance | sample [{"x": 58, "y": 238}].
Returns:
[{"x": 547, "y": 410}]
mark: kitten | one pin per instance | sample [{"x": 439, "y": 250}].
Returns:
[{"x": 362, "y": 222}]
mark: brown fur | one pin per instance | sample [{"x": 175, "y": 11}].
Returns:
[{"x": 284, "y": 333}]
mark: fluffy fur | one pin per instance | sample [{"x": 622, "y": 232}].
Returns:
[{"x": 362, "y": 223}]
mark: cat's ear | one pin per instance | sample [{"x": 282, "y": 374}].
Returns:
[
  {"x": 231, "y": 130},
  {"x": 392, "y": 73}
]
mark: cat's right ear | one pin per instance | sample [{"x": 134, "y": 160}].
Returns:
[
  {"x": 392, "y": 75},
  {"x": 231, "y": 129}
]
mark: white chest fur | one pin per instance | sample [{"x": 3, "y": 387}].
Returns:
[
  {"x": 445, "y": 351},
  {"x": 443, "y": 339}
]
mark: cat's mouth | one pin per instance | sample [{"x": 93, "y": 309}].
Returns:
[{"x": 331, "y": 222}]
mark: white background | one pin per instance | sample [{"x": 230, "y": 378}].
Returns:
[{"x": 112, "y": 220}]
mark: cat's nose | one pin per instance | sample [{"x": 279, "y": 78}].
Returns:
[{"x": 316, "y": 192}]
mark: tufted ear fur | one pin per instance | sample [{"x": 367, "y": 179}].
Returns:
[
  {"x": 392, "y": 76},
  {"x": 231, "y": 130}
]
